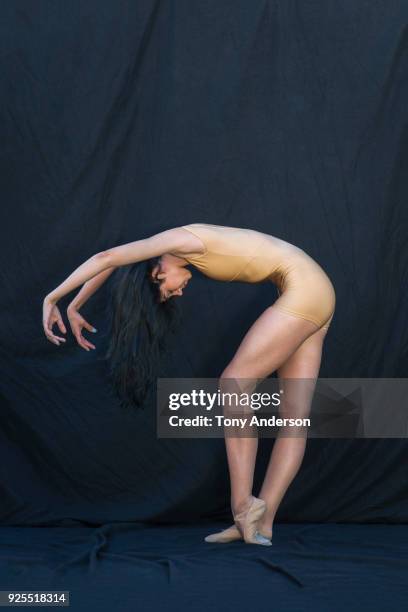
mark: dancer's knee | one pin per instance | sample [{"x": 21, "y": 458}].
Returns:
[
  {"x": 233, "y": 384},
  {"x": 235, "y": 379}
]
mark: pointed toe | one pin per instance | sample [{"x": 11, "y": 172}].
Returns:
[{"x": 223, "y": 537}]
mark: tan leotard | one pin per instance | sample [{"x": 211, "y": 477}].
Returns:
[{"x": 246, "y": 255}]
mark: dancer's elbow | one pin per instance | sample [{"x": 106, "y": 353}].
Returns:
[{"x": 106, "y": 257}]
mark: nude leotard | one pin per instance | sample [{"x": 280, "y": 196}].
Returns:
[{"x": 246, "y": 255}]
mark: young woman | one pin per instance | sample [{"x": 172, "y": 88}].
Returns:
[{"x": 287, "y": 337}]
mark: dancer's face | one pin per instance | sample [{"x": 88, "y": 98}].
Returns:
[{"x": 172, "y": 279}]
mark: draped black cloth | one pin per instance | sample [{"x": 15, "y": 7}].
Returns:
[{"x": 121, "y": 119}]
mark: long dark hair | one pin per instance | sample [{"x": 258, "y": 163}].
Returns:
[{"x": 139, "y": 323}]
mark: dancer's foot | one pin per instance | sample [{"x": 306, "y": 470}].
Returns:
[
  {"x": 247, "y": 520},
  {"x": 260, "y": 539},
  {"x": 232, "y": 534},
  {"x": 265, "y": 528},
  {"x": 226, "y": 535}
]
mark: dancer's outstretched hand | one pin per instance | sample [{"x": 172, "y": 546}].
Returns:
[
  {"x": 77, "y": 323},
  {"x": 52, "y": 315}
]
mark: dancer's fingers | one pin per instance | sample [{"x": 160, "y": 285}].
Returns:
[
  {"x": 83, "y": 342},
  {"x": 61, "y": 325},
  {"x": 89, "y": 327}
]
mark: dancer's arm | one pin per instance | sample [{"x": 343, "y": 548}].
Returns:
[
  {"x": 122, "y": 255},
  {"x": 89, "y": 289},
  {"x": 76, "y": 320},
  {"x": 129, "y": 253}
]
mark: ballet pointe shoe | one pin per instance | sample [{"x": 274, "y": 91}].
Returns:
[
  {"x": 226, "y": 535},
  {"x": 262, "y": 540},
  {"x": 232, "y": 534},
  {"x": 246, "y": 522}
]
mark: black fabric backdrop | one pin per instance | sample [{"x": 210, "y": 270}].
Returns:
[{"x": 121, "y": 119}]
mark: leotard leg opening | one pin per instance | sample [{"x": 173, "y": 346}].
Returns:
[{"x": 295, "y": 302}]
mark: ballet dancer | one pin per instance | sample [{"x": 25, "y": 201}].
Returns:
[{"x": 287, "y": 337}]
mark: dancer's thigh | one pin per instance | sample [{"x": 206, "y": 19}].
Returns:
[
  {"x": 305, "y": 361},
  {"x": 298, "y": 375},
  {"x": 269, "y": 342}
]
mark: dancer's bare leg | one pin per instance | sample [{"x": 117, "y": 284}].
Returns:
[
  {"x": 288, "y": 452},
  {"x": 267, "y": 345}
]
